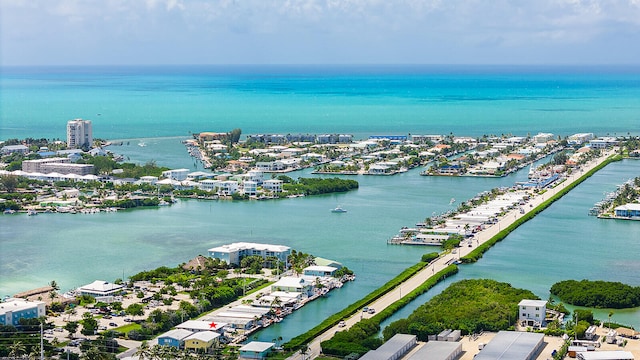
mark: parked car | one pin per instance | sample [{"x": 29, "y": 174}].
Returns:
[
  {"x": 113, "y": 324},
  {"x": 365, "y": 309},
  {"x": 372, "y": 311},
  {"x": 342, "y": 324}
]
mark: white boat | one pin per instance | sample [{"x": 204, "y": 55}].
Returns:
[
  {"x": 32, "y": 212},
  {"x": 9, "y": 211},
  {"x": 142, "y": 144},
  {"x": 338, "y": 210}
]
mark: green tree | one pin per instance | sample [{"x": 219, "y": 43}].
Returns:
[
  {"x": 89, "y": 324},
  {"x": 71, "y": 327},
  {"x": 135, "y": 310},
  {"x": 9, "y": 182}
]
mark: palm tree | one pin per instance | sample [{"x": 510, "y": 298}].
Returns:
[
  {"x": 304, "y": 350},
  {"x": 54, "y": 285},
  {"x": 276, "y": 302},
  {"x": 17, "y": 349},
  {"x": 52, "y": 295},
  {"x": 93, "y": 353},
  {"x": 143, "y": 352},
  {"x": 610, "y": 315}
]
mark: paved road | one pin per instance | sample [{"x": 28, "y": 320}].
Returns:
[{"x": 446, "y": 259}]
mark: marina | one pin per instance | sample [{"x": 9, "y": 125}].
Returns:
[{"x": 49, "y": 246}]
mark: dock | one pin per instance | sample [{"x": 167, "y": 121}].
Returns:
[{"x": 447, "y": 258}]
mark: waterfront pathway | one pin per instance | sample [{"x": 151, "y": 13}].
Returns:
[{"x": 448, "y": 258}]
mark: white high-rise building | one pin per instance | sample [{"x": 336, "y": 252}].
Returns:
[{"x": 79, "y": 133}]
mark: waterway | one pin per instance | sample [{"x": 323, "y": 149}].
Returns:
[{"x": 561, "y": 243}]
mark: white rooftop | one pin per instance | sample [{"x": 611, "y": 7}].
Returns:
[
  {"x": 257, "y": 346},
  {"x": 14, "y": 304},
  {"x": 205, "y": 336},
  {"x": 539, "y": 303},
  {"x": 605, "y": 355},
  {"x": 289, "y": 281},
  {"x": 246, "y": 246},
  {"x": 201, "y": 325},
  {"x": 320, "y": 268},
  {"x": 178, "y": 334},
  {"x": 630, "y": 206},
  {"x": 101, "y": 286}
]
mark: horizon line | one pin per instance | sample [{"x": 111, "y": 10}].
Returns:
[{"x": 334, "y": 64}]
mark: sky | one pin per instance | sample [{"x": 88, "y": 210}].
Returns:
[{"x": 159, "y": 32}]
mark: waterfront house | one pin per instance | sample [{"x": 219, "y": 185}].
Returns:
[
  {"x": 579, "y": 139},
  {"x": 603, "y": 142},
  {"x": 174, "y": 338},
  {"x": 542, "y": 138},
  {"x": 293, "y": 284},
  {"x": 198, "y": 175},
  {"x": 101, "y": 288},
  {"x": 228, "y": 187},
  {"x": 176, "y": 174},
  {"x": 209, "y": 185},
  {"x": 250, "y": 188},
  {"x": 98, "y": 152},
  {"x": 14, "y": 309},
  {"x": 532, "y": 312},
  {"x": 316, "y": 270},
  {"x": 629, "y": 211},
  {"x": 255, "y": 175},
  {"x": 379, "y": 169},
  {"x": 313, "y": 157},
  {"x": 270, "y": 166},
  {"x": 256, "y": 350},
  {"x": 148, "y": 180},
  {"x": 233, "y": 253},
  {"x": 273, "y": 185},
  {"x": 201, "y": 341}
]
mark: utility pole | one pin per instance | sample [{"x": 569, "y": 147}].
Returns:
[{"x": 41, "y": 341}]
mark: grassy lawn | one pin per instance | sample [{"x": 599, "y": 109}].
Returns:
[{"x": 126, "y": 328}]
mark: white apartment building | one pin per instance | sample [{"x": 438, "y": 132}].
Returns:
[{"x": 79, "y": 133}]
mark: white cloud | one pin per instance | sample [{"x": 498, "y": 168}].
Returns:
[{"x": 343, "y": 30}]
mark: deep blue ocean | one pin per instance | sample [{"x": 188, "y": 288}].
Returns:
[{"x": 163, "y": 105}]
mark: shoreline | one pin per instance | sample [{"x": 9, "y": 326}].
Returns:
[{"x": 447, "y": 258}]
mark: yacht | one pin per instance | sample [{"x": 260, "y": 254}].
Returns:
[{"x": 338, "y": 209}]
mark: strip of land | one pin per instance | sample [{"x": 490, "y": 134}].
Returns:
[{"x": 448, "y": 258}]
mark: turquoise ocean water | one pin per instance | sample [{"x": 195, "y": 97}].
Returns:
[{"x": 161, "y": 106}]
